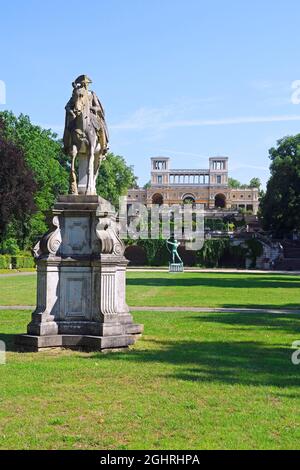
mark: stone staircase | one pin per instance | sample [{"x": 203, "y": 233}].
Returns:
[
  {"x": 291, "y": 249},
  {"x": 291, "y": 256}
]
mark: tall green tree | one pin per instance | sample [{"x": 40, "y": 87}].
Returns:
[
  {"x": 280, "y": 205},
  {"x": 115, "y": 178},
  {"x": 233, "y": 183},
  {"x": 17, "y": 185},
  {"x": 255, "y": 183},
  {"x": 44, "y": 156}
]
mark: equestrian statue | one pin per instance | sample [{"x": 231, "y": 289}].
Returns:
[{"x": 85, "y": 136}]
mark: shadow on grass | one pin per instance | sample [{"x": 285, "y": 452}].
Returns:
[
  {"x": 289, "y": 323},
  {"x": 281, "y": 306},
  {"x": 9, "y": 341},
  {"x": 244, "y": 363},
  {"x": 234, "y": 280}
]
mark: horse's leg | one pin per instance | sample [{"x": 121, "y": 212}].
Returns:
[
  {"x": 91, "y": 189},
  {"x": 73, "y": 180}
]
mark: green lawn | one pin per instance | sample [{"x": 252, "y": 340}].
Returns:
[
  {"x": 18, "y": 290},
  {"x": 213, "y": 290},
  {"x": 198, "y": 381},
  {"x": 187, "y": 289}
]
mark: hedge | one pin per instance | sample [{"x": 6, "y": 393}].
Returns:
[
  {"x": 215, "y": 252},
  {"x": 16, "y": 262},
  {"x": 255, "y": 250},
  {"x": 19, "y": 262},
  {"x": 212, "y": 252},
  {"x": 156, "y": 252},
  {"x": 5, "y": 261}
]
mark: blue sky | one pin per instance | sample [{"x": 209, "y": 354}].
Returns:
[{"x": 187, "y": 79}]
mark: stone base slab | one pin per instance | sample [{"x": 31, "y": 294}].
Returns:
[
  {"x": 34, "y": 343},
  {"x": 134, "y": 329},
  {"x": 84, "y": 328}
]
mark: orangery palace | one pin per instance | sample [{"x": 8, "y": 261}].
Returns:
[{"x": 208, "y": 186}]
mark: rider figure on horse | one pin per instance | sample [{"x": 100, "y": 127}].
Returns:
[{"x": 97, "y": 115}]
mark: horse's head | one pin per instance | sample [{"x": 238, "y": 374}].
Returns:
[{"x": 80, "y": 99}]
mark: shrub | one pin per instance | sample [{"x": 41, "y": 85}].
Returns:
[
  {"x": 136, "y": 255},
  {"x": 156, "y": 251},
  {"x": 19, "y": 262},
  {"x": 162, "y": 255},
  {"x": 212, "y": 251},
  {"x": 188, "y": 257},
  {"x": 255, "y": 250},
  {"x": 236, "y": 257},
  {"x": 5, "y": 261}
]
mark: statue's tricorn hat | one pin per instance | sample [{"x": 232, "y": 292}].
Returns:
[{"x": 82, "y": 79}]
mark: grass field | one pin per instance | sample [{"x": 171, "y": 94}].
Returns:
[
  {"x": 16, "y": 271},
  {"x": 197, "y": 381},
  {"x": 187, "y": 289}
]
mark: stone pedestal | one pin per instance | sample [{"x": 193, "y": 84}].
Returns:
[
  {"x": 176, "y": 268},
  {"x": 81, "y": 281}
]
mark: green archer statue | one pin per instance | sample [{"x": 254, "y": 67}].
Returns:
[{"x": 172, "y": 246}]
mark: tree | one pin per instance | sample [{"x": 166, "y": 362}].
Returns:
[
  {"x": 115, "y": 178},
  {"x": 236, "y": 184},
  {"x": 17, "y": 184},
  {"x": 280, "y": 205},
  {"x": 255, "y": 183},
  {"x": 44, "y": 156},
  {"x": 233, "y": 183},
  {"x": 147, "y": 185}
]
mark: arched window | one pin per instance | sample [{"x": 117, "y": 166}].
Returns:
[
  {"x": 157, "y": 199},
  {"x": 188, "y": 199},
  {"x": 220, "y": 201}
]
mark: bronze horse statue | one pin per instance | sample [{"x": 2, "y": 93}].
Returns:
[{"x": 85, "y": 136}]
